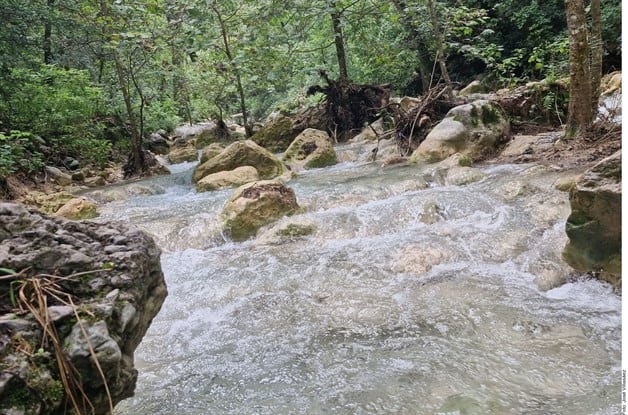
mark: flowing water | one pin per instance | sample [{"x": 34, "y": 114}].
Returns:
[{"x": 411, "y": 296}]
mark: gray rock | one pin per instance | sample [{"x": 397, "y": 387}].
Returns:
[
  {"x": 117, "y": 296},
  {"x": 594, "y": 225},
  {"x": 158, "y": 143},
  {"x": 58, "y": 176}
]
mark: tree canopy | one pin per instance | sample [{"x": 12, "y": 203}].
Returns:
[{"x": 91, "y": 79}]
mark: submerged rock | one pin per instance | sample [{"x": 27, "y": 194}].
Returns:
[
  {"x": 311, "y": 149},
  {"x": 255, "y": 205},
  {"x": 109, "y": 275},
  {"x": 594, "y": 226},
  {"x": 242, "y": 153}
]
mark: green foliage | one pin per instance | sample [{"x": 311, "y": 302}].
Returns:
[
  {"x": 161, "y": 115},
  {"x": 50, "y": 101},
  {"x": 469, "y": 33},
  {"x": 19, "y": 152}
]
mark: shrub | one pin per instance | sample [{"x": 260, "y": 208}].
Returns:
[{"x": 19, "y": 152}]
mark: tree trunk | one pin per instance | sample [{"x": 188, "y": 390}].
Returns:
[
  {"x": 438, "y": 38},
  {"x": 135, "y": 163},
  {"x": 597, "y": 50},
  {"x": 48, "y": 33},
  {"x": 234, "y": 68},
  {"x": 580, "y": 96},
  {"x": 339, "y": 41}
]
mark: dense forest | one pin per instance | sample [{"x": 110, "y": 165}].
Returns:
[{"x": 88, "y": 80}]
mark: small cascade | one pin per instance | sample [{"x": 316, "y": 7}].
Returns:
[{"x": 410, "y": 296}]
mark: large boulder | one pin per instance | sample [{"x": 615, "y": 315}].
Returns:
[
  {"x": 183, "y": 153},
  {"x": 594, "y": 226},
  {"x": 277, "y": 134},
  {"x": 311, "y": 149},
  {"x": 475, "y": 130},
  {"x": 242, "y": 153},
  {"x": 100, "y": 285},
  {"x": 255, "y": 205},
  {"x": 211, "y": 151},
  {"x": 229, "y": 178}
]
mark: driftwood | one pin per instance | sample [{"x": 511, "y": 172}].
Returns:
[
  {"x": 349, "y": 106},
  {"x": 412, "y": 119}
]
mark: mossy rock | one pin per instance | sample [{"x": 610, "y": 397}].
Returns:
[
  {"x": 211, "y": 151},
  {"x": 242, "y": 153},
  {"x": 182, "y": 154},
  {"x": 311, "y": 149},
  {"x": 78, "y": 209},
  {"x": 475, "y": 130},
  {"x": 277, "y": 134},
  {"x": 594, "y": 225},
  {"x": 255, "y": 205},
  {"x": 222, "y": 179}
]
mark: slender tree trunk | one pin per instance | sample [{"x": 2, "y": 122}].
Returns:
[
  {"x": 438, "y": 38},
  {"x": 180, "y": 93},
  {"x": 340, "y": 44},
  {"x": 48, "y": 33},
  {"x": 234, "y": 68},
  {"x": 135, "y": 162},
  {"x": 580, "y": 114},
  {"x": 597, "y": 50},
  {"x": 416, "y": 43}
]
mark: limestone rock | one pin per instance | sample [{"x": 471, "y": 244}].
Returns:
[
  {"x": 182, "y": 154},
  {"x": 311, "y": 149},
  {"x": 287, "y": 230},
  {"x": 211, "y": 151},
  {"x": 119, "y": 268},
  {"x": 594, "y": 226},
  {"x": 236, "y": 177},
  {"x": 255, "y": 205},
  {"x": 475, "y": 87},
  {"x": 58, "y": 176},
  {"x": 95, "y": 181},
  {"x": 158, "y": 143},
  {"x": 277, "y": 134},
  {"x": 474, "y": 129},
  {"x": 198, "y": 135},
  {"x": 77, "y": 209},
  {"x": 459, "y": 176},
  {"x": 242, "y": 153},
  {"x": 48, "y": 202}
]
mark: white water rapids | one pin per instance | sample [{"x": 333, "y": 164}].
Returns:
[{"x": 410, "y": 297}]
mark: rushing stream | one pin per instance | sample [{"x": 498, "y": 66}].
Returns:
[{"x": 410, "y": 297}]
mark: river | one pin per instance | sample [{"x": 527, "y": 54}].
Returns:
[{"x": 411, "y": 296}]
